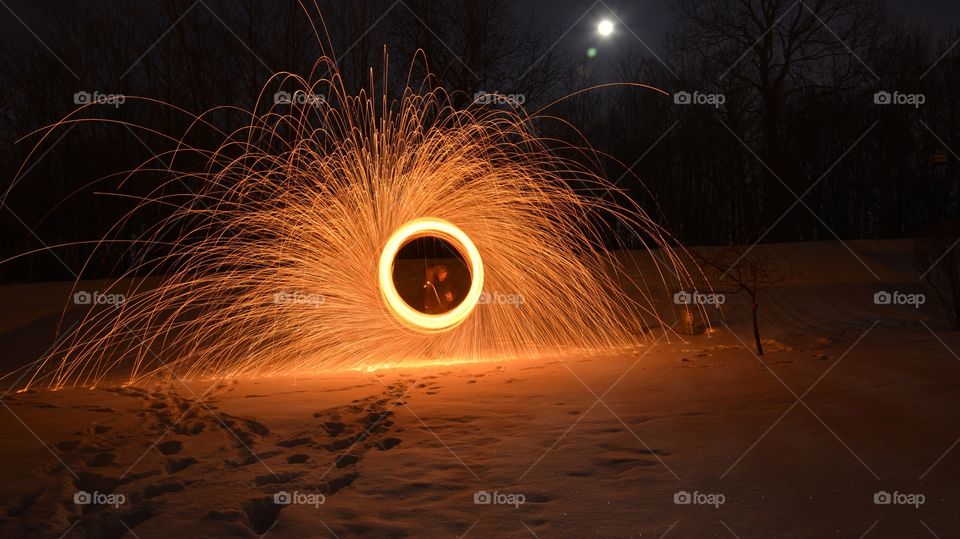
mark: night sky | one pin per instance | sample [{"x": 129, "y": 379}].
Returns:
[{"x": 650, "y": 20}]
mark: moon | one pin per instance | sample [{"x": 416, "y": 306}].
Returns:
[{"x": 605, "y": 28}]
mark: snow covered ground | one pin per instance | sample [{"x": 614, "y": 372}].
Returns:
[{"x": 854, "y": 403}]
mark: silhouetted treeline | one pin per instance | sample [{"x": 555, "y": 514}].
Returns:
[
  {"x": 805, "y": 145},
  {"x": 798, "y": 116}
]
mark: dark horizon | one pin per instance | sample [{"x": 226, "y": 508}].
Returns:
[{"x": 811, "y": 157}]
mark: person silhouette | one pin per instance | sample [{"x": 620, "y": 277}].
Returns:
[{"x": 438, "y": 290}]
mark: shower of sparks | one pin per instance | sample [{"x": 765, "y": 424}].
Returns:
[{"x": 274, "y": 265}]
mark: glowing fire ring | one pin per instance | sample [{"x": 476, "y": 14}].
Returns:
[{"x": 407, "y": 315}]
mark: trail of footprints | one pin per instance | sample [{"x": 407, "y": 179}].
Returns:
[{"x": 321, "y": 459}]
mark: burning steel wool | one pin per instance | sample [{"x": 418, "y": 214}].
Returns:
[{"x": 283, "y": 262}]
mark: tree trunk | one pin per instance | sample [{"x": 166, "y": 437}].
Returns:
[{"x": 756, "y": 331}]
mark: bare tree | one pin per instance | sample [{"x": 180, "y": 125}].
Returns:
[
  {"x": 473, "y": 46},
  {"x": 767, "y": 54},
  {"x": 743, "y": 269}
]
